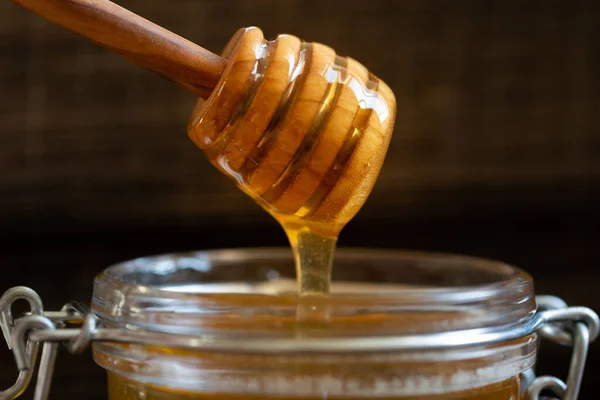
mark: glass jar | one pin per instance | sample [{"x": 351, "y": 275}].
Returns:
[{"x": 241, "y": 308}]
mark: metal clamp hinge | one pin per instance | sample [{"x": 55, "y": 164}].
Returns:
[
  {"x": 576, "y": 327},
  {"x": 74, "y": 326}
]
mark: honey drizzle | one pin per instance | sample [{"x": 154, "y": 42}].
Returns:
[{"x": 313, "y": 253}]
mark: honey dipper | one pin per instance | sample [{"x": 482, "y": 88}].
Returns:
[{"x": 301, "y": 129}]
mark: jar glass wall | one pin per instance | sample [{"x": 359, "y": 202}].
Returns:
[{"x": 245, "y": 297}]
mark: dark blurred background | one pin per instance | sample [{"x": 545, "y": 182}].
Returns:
[{"x": 496, "y": 150}]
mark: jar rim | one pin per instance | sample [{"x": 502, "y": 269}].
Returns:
[{"x": 140, "y": 295}]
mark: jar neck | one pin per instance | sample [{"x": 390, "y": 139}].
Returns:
[{"x": 243, "y": 293}]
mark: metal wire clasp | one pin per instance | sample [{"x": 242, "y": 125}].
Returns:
[
  {"x": 7, "y": 324},
  {"x": 16, "y": 333},
  {"x": 576, "y": 327}
]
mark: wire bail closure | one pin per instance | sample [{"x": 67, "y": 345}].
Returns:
[
  {"x": 570, "y": 326},
  {"x": 576, "y": 327}
]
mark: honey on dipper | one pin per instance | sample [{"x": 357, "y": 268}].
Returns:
[{"x": 301, "y": 130}]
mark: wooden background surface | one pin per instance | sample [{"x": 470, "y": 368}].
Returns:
[{"x": 496, "y": 150}]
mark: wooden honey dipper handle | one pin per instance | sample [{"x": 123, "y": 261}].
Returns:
[{"x": 136, "y": 39}]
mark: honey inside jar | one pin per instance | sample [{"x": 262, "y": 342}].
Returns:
[
  {"x": 123, "y": 389},
  {"x": 245, "y": 301}
]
